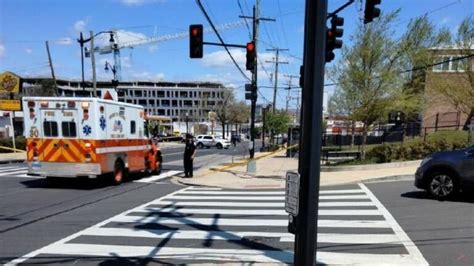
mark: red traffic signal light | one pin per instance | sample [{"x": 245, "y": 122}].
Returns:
[
  {"x": 251, "y": 54},
  {"x": 195, "y": 41}
]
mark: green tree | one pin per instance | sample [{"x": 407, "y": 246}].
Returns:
[
  {"x": 367, "y": 72},
  {"x": 47, "y": 88},
  {"x": 154, "y": 128},
  {"x": 277, "y": 122},
  {"x": 239, "y": 113}
]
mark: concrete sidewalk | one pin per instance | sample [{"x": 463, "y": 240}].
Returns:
[
  {"x": 12, "y": 157},
  {"x": 271, "y": 171}
]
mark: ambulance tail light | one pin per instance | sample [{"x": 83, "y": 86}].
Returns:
[
  {"x": 71, "y": 104},
  {"x": 31, "y": 104},
  {"x": 88, "y": 151},
  {"x": 35, "y": 151},
  {"x": 44, "y": 104}
]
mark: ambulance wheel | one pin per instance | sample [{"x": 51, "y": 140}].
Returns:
[
  {"x": 119, "y": 173},
  {"x": 159, "y": 164}
]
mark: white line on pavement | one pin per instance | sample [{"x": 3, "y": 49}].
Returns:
[
  {"x": 279, "y": 192},
  {"x": 257, "y": 211},
  {"x": 69, "y": 238},
  {"x": 155, "y": 178},
  {"x": 409, "y": 245},
  {"x": 246, "y": 222},
  {"x": 13, "y": 173},
  {"x": 256, "y": 204},
  {"x": 228, "y": 255},
  {"x": 261, "y": 198}
]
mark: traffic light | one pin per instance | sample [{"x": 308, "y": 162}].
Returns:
[
  {"x": 332, "y": 35},
  {"x": 195, "y": 41},
  {"x": 250, "y": 92},
  {"x": 371, "y": 11},
  {"x": 251, "y": 53}
]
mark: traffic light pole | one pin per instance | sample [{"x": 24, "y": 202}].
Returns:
[
  {"x": 310, "y": 142},
  {"x": 253, "y": 103}
]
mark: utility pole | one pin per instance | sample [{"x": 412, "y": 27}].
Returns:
[
  {"x": 277, "y": 50},
  {"x": 256, "y": 21},
  {"x": 310, "y": 142},
  {"x": 288, "y": 98},
  {"x": 94, "y": 78},
  {"x": 52, "y": 69}
]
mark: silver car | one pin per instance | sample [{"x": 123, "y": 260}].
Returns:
[{"x": 209, "y": 141}]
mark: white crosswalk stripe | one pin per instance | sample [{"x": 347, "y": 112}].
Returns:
[
  {"x": 199, "y": 225},
  {"x": 17, "y": 170}
]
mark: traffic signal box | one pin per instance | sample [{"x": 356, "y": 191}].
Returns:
[
  {"x": 371, "y": 11},
  {"x": 332, "y": 35},
  {"x": 195, "y": 41},
  {"x": 251, "y": 53}
]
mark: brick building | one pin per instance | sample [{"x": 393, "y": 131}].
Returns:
[{"x": 439, "y": 111}]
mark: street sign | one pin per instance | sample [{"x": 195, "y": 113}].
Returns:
[
  {"x": 292, "y": 192},
  {"x": 9, "y": 83},
  {"x": 10, "y": 105}
]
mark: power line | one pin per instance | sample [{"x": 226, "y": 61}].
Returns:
[
  {"x": 220, "y": 38},
  {"x": 246, "y": 22},
  {"x": 430, "y": 11}
]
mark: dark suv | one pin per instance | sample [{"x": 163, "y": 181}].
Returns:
[{"x": 444, "y": 173}]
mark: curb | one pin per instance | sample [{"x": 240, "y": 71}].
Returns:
[
  {"x": 390, "y": 178},
  {"x": 369, "y": 166}
]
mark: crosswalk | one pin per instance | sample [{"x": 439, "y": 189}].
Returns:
[
  {"x": 213, "y": 225},
  {"x": 14, "y": 170}
]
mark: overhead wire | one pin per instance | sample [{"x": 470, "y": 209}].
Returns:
[
  {"x": 246, "y": 22},
  {"x": 220, "y": 39}
]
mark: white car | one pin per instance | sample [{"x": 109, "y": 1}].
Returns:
[{"x": 209, "y": 141}]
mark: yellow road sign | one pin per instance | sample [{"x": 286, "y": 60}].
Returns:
[
  {"x": 9, "y": 82},
  {"x": 10, "y": 105}
]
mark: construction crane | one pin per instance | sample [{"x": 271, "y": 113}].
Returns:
[{"x": 115, "y": 46}]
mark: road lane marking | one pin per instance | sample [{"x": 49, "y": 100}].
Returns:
[
  {"x": 153, "y": 179},
  {"x": 69, "y": 238},
  {"x": 397, "y": 229},
  {"x": 256, "y": 204},
  {"x": 262, "y": 198},
  {"x": 227, "y": 255},
  {"x": 246, "y": 222},
  {"x": 246, "y": 212},
  {"x": 279, "y": 192},
  {"x": 239, "y": 235}
]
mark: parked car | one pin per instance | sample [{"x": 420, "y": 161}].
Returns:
[
  {"x": 209, "y": 141},
  {"x": 444, "y": 173}
]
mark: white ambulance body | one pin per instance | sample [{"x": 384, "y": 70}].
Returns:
[{"x": 73, "y": 137}]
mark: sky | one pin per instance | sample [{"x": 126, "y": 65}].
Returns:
[{"x": 25, "y": 25}]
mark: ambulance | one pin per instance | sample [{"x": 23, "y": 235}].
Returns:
[{"x": 87, "y": 137}]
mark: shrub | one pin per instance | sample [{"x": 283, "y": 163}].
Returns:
[{"x": 381, "y": 154}]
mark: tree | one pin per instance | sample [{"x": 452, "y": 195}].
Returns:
[
  {"x": 47, "y": 88},
  {"x": 367, "y": 72},
  {"x": 460, "y": 91},
  {"x": 277, "y": 122},
  {"x": 154, "y": 127},
  {"x": 222, "y": 109},
  {"x": 239, "y": 113}
]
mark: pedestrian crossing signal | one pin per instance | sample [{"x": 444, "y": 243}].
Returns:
[{"x": 195, "y": 41}]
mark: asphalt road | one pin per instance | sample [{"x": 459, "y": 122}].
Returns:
[
  {"x": 442, "y": 230},
  {"x": 34, "y": 213},
  {"x": 173, "y": 156}
]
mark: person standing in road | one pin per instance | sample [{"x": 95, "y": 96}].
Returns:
[{"x": 189, "y": 154}]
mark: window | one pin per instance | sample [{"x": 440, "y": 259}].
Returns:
[
  {"x": 50, "y": 129},
  {"x": 69, "y": 129},
  {"x": 132, "y": 127},
  {"x": 450, "y": 64},
  {"x": 207, "y": 137},
  {"x": 138, "y": 93}
]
